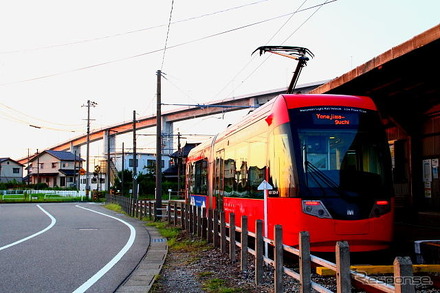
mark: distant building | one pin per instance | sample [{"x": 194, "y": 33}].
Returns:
[
  {"x": 178, "y": 162},
  {"x": 97, "y": 181},
  {"x": 176, "y": 171},
  {"x": 145, "y": 162},
  {"x": 55, "y": 168},
  {"x": 10, "y": 170}
]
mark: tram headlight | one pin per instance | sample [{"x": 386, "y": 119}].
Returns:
[
  {"x": 315, "y": 208},
  {"x": 380, "y": 208}
]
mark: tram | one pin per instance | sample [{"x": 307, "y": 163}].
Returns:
[{"x": 324, "y": 161}]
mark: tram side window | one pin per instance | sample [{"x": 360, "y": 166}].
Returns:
[
  {"x": 281, "y": 166},
  {"x": 199, "y": 181}
]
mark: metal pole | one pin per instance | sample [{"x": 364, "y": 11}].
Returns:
[
  {"x": 38, "y": 167},
  {"x": 123, "y": 167},
  {"x": 159, "y": 147},
  {"x": 179, "y": 160},
  {"x": 88, "y": 150},
  {"x": 74, "y": 170},
  {"x": 134, "y": 158},
  {"x": 89, "y": 104},
  {"x": 107, "y": 179}
]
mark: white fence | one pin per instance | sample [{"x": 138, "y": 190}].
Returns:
[{"x": 64, "y": 193}]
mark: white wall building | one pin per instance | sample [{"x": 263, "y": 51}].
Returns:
[
  {"x": 96, "y": 182},
  {"x": 145, "y": 162},
  {"x": 10, "y": 170}
]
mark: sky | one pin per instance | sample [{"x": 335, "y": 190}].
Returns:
[{"x": 55, "y": 55}]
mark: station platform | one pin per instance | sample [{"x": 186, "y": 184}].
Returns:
[{"x": 418, "y": 237}]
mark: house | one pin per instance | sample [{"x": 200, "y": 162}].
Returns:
[
  {"x": 55, "y": 168},
  {"x": 10, "y": 170},
  {"x": 178, "y": 162},
  {"x": 176, "y": 171}
]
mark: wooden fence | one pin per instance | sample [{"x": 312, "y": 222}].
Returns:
[{"x": 211, "y": 225}]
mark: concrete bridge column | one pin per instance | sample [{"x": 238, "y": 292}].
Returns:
[
  {"x": 167, "y": 137},
  {"x": 75, "y": 149},
  {"x": 109, "y": 139}
]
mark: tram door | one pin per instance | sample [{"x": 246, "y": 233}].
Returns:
[{"x": 219, "y": 178}]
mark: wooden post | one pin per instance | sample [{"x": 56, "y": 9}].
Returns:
[
  {"x": 183, "y": 215},
  {"x": 278, "y": 258},
  {"x": 343, "y": 279},
  {"x": 403, "y": 275},
  {"x": 216, "y": 241},
  {"x": 259, "y": 251},
  {"x": 149, "y": 211},
  {"x": 209, "y": 235},
  {"x": 244, "y": 243},
  {"x": 188, "y": 218},
  {"x": 204, "y": 225},
  {"x": 194, "y": 220},
  {"x": 198, "y": 221},
  {"x": 139, "y": 207},
  {"x": 305, "y": 269},
  {"x": 169, "y": 212},
  {"x": 175, "y": 213},
  {"x": 232, "y": 237},
  {"x": 222, "y": 232}
]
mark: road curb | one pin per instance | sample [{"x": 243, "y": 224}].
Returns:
[{"x": 150, "y": 266}]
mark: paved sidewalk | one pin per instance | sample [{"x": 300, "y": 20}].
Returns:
[{"x": 149, "y": 268}]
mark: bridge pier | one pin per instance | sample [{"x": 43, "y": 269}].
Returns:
[
  {"x": 109, "y": 139},
  {"x": 167, "y": 137}
]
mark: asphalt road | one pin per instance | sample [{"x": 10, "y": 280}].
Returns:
[{"x": 67, "y": 247}]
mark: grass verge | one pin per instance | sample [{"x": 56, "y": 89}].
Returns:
[{"x": 178, "y": 241}]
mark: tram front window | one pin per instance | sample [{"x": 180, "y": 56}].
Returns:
[{"x": 342, "y": 152}]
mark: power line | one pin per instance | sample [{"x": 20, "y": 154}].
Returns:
[
  {"x": 168, "y": 33},
  {"x": 38, "y": 119},
  {"x": 265, "y": 59},
  {"x": 130, "y": 32},
  {"x": 159, "y": 50},
  {"x": 15, "y": 119}
]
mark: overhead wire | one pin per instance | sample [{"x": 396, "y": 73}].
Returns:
[
  {"x": 268, "y": 56},
  {"x": 178, "y": 88},
  {"x": 319, "y": 6},
  {"x": 132, "y": 31},
  {"x": 168, "y": 33},
  {"x": 38, "y": 119},
  {"x": 8, "y": 117},
  {"x": 161, "y": 49}
]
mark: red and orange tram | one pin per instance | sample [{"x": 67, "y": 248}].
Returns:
[{"x": 326, "y": 158}]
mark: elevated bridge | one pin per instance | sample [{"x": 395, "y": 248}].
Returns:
[{"x": 108, "y": 134}]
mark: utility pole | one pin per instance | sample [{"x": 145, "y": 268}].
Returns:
[
  {"x": 158, "y": 148},
  {"x": 107, "y": 172},
  {"x": 123, "y": 170},
  {"x": 134, "y": 158},
  {"x": 179, "y": 162},
  {"x": 88, "y": 105},
  {"x": 38, "y": 167},
  {"x": 28, "y": 177},
  {"x": 74, "y": 170}
]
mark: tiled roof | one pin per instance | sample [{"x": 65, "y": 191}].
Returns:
[
  {"x": 9, "y": 159},
  {"x": 185, "y": 150},
  {"x": 64, "y": 156}
]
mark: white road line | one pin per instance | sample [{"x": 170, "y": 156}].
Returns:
[
  {"x": 110, "y": 264},
  {"x": 53, "y": 221}
]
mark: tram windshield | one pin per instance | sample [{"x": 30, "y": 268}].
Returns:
[{"x": 340, "y": 151}]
